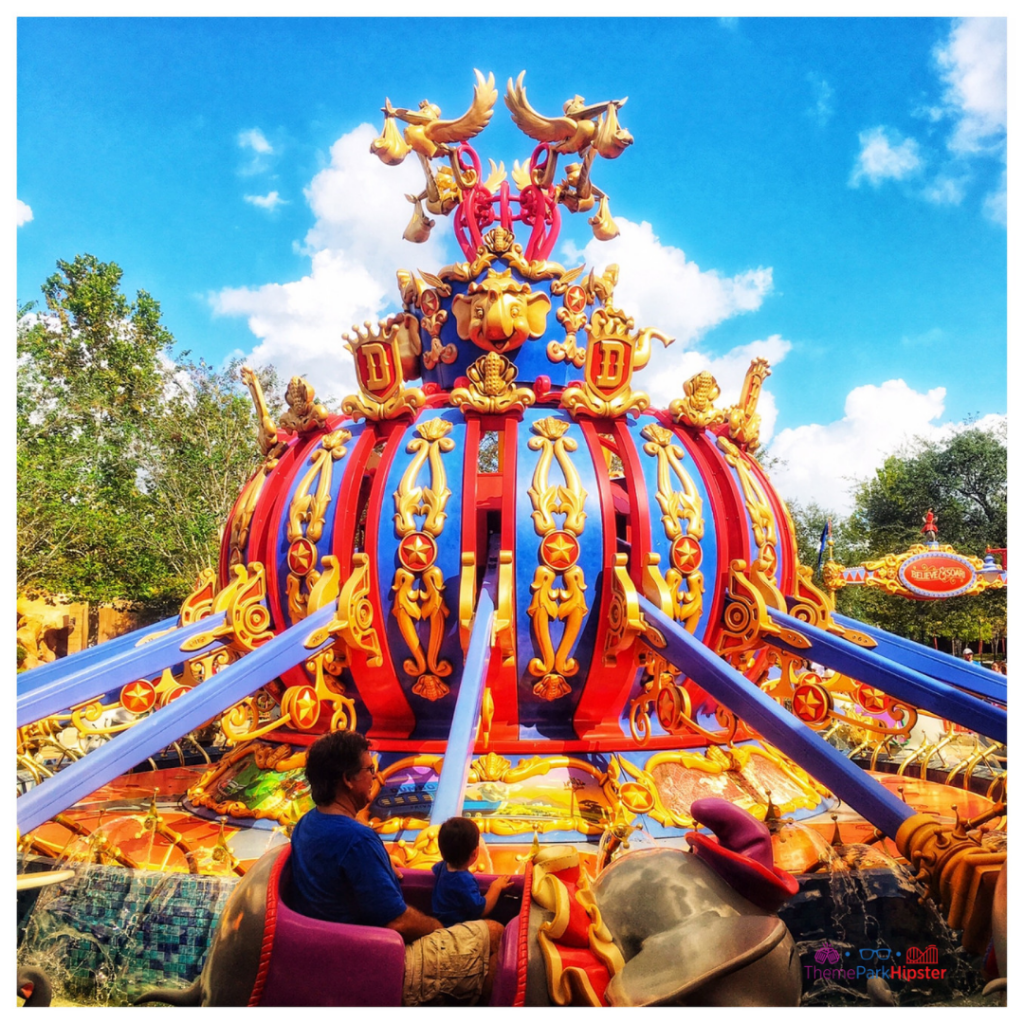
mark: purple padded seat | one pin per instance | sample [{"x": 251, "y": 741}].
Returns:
[{"x": 321, "y": 963}]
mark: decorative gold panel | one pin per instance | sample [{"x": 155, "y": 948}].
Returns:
[
  {"x": 558, "y": 556},
  {"x": 418, "y": 585}
]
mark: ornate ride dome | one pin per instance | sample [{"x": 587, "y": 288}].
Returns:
[{"x": 593, "y": 496}]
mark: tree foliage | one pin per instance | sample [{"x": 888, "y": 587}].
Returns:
[
  {"x": 128, "y": 462},
  {"x": 963, "y": 482}
]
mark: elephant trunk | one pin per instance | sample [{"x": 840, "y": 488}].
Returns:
[
  {"x": 34, "y": 987},
  {"x": 499, "y": 323},
  {"x": 191, "y": 996}
]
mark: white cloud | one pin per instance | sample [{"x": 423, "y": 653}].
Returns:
[
  {"x": 885, "y": 154},
  {"x": 995, "y": 203},
  {"x": 268, "y": 202},
  {"x": 822, "y": 462},
  {"x": 24, "y": 213},
  {"x": 972, "y": 63},
  {"x": 355, "y": 247},
  {"x": 945, "y": 191},
  {"x": 822, "y": 110},
  {"x": 660, "y": 288},
  {"x": 255, "y": 140}
]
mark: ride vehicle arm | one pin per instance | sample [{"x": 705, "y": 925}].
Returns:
[{"x": 414, "y": 924}]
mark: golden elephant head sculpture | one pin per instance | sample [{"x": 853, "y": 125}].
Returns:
[{"x": 499, "y": 313}]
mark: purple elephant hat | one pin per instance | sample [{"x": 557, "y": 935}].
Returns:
[{"x": 740, "y": 853}]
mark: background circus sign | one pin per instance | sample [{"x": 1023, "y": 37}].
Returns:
[{"x": 937, "y": 575}]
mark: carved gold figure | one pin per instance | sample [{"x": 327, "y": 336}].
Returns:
[
  {"x": 499, "y": 313},
  {"x": 426, "y": 133},
  {"x": 744, "y": 420},
  {"x": 697, "y": 406},
  {"x": 492, "y": 387},
  {"x": 303, "y": 414},
  {"x": 577, "y": 130},
  {"x": 267, "y": 431}
]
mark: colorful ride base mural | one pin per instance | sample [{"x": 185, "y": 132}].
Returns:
[{"x": 595, "y": 639}]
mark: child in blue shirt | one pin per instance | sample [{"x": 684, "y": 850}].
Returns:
[{"x": 457, "y": 895}]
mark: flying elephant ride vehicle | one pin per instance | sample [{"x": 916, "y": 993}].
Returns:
[{"x": 578, "y": 620}]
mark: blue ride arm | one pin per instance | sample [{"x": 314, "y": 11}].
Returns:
[
  {"x": 850, "y": 783},
  {"x": 33, "y": 678},
  {"x": 119, "y": 666},
  {"x": 188, "y": 712},
  {"x": 963, "y": 674},
  {"x": 894, "y": 679},
  {"x": 451, "y": 786}
]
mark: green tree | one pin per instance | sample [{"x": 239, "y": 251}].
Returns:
[
  {"x": 128, "y": 462},
  {"x": 203, "y": 449},
  {"x": 88, "y": 379}
]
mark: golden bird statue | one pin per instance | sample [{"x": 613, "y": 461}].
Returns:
[
  {"x": 576, "y": 131},
  {"x": 426, "y": 133}
]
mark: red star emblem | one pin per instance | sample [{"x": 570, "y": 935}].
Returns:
[
  {"x": 559, "y": 550},
  {"x": 138, "y": 697},
  {"x": 575, "y": 299},
  {"x": 811, "y": 703},
  {"x": 417, "y": 551},
  {"x": 872, "y": 700},
  {"x": 305, "y": 708},
  {"x": 429, "y": 303},
  {"x": 686, "y": 554},
  {"x": 301, "y": 556}
]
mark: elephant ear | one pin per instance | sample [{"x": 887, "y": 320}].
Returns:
[
  {"x": 538, "y": 307},
  {"x": 702, "y": 948},
  {"x": 462, "y": 307}
]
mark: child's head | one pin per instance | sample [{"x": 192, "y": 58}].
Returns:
[{"x": 458, "y": 840}]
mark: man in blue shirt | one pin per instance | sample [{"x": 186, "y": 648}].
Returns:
[{"x": 341, "y": 872}]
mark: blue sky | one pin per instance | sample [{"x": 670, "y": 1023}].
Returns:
[{"x": 829, "y": 193}]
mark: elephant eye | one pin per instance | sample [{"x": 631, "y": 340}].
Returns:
[{"x": 516, "y": 310}]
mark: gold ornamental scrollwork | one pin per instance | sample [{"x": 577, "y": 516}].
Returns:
[
  {"x": 762, "y": 519},
  {"x": 246, "y": 618},
  {"x": 697, "y": 406},
  {"x": 558, "y": 557},
  {"x": 670, "y": 703},
  {"x": 353, "y": 618},
  {"x": 626, "y": 622},
  {"x": 199, "y": 603},
  {"x": 492, "y": 387},
  {"x": 743, "y": 419},
  {"x": 745, "y": 619},
  {"x": 500, "y": 244},
  {"x": 679, "y": 506},
  {"x": 613, "y": 354},
  {"x": 379, "y": 355},
  {"x": 572, "y": 316},
  {"x": 306, "y": 516},
  {"x": 418, "y": 585}
]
